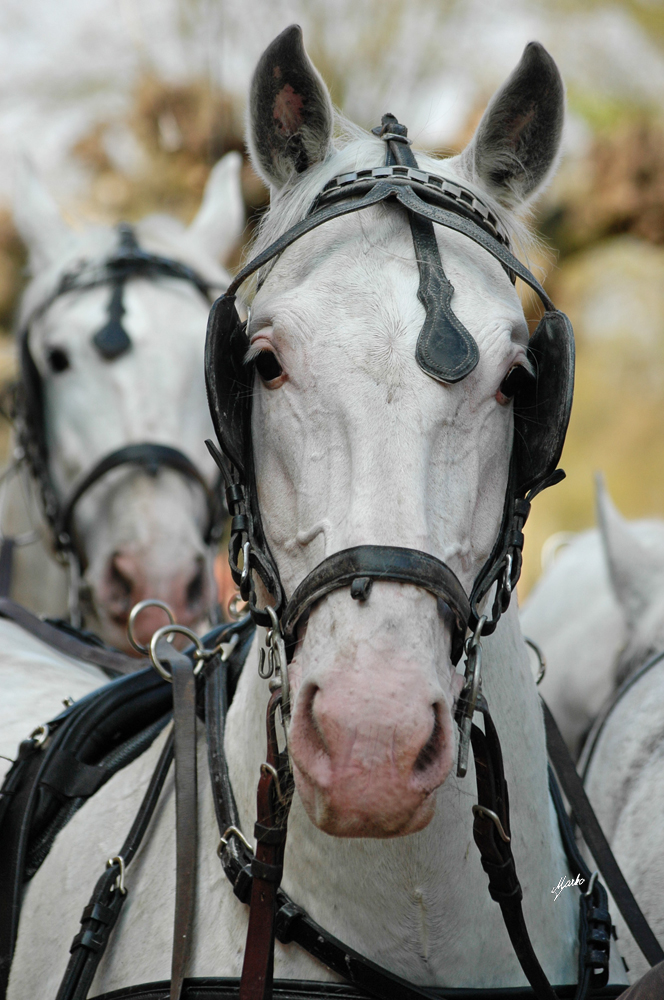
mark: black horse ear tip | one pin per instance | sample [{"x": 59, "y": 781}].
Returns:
[
  {"x": 535, "y": 54},
  {"x": 292, "y": 35}
]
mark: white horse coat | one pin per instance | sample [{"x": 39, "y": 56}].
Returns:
[{"x": 597, "y": 613}]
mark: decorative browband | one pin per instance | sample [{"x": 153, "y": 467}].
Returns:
[{"x": 429, "y": 187}]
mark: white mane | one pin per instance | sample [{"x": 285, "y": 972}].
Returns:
[{"x": 357, "y": 149}]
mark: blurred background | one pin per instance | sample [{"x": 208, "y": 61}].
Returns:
[{"x": 124, "y": 106}]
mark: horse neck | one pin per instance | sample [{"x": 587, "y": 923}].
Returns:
[{"x": 419, "y": 904}]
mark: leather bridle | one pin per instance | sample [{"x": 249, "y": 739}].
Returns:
[
  {"x": 129, "y": 262},
  {"x": 447, "y": 352}
]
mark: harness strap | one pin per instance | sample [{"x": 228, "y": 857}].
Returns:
[
  {"x": 275, "y": 793},
  {"x": 101, "y": 913},
  {"x": 597, "y": 843},
  {"x": 378, "y": 562},
  {"x": 491, "y": 831},
  {"x": 6, "y": 565},
  {"x": 186, "y": 814},
  {"x": 150, "y": 456},
  {"x": 594, "y": 918},
  {"x": 111, "y": 661}
]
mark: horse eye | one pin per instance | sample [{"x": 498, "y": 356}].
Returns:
[
  {"x": 267, "y": 366},
  {"x": 516, "y": 379},
  {"x": 58, "y": 359}
]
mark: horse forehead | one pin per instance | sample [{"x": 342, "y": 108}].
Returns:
[
  {"x": 361, "y": 270},
  {"x": 75, "y": 318}
]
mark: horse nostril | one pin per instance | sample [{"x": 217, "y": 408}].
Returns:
[
  {"x": 121, "y": 583},
  {"x": 431, "y": 749},
  {"x": 194, "y": 591}
]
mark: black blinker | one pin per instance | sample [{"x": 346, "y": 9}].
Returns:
[{"x": 113, "y": 340}]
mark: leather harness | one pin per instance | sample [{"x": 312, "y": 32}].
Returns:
[{"x": 125, "y": 708}]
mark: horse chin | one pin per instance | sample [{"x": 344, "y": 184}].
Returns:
[{"x": 338, "y": 820}]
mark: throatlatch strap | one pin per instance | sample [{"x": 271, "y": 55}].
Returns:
[{"x": 597, "y": 843}]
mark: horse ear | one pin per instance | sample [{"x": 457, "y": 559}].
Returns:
[
  {"x": 515, "y": 147},
  {"x": 290, "y": 111},
  {"x": 632, "y": 567},
  {"x": 220, "y": 220},
  {"x": 38, "y": 219}
]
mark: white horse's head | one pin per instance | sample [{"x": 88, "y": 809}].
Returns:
[
  {"x": 141, "y": 535},
  {"x": 355, "y": 444}
]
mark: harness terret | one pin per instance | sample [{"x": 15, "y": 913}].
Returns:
[{"x": 111, "y": 341}]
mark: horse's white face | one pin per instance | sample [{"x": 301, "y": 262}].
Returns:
[
  {"x": 358, "y": 445},
  {"x": 142, "y": 535},
  {"x": 355, "y": 444}
]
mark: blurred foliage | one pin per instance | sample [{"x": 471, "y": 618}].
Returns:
[
  {"x": 618, "y": 188},
  {"x": 158, "y": 158}
]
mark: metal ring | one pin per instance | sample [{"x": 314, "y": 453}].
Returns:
[
  {"x": 135, "y": 612},
  {"x": 119, "y": 882},
  {"x": 39, "y": 735},
  {"x": 174, "y": 629},
  {"x": 540, "y": 656},
  {"x": 234, "y": 610}
]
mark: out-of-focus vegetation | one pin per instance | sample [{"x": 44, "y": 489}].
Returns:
[{"x": 603, "y": 220}]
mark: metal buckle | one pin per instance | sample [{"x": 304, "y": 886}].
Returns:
[
  {"x": 232, "y": 831},
  {"x": 495, "y": 819},
  {"x": 119, "y": 882},
  {"x": 468, "y": 697}
]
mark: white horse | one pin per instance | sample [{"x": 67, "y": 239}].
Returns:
[
  {"x": 597, "y": 613},
  {"x": 355, "y": 444},
  {"x": 624, "y": 784},
  {"x": 139, "y": 535}
]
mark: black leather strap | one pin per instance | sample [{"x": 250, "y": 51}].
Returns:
[
  {"x": 6, "y": 565},
  {"x": 597, "y": 843},
  {"x": 380, "y": 191},
  {"x": 186, "y": 812},
  {"x": 111, "y": 661},
  {"x": 100, "y": 915},
  {"x": 296, "y": 989},
  {"x": 151, "y": 457},
  {"x": 377, "y": 562},
  {"x": 495, "y": 848}
]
